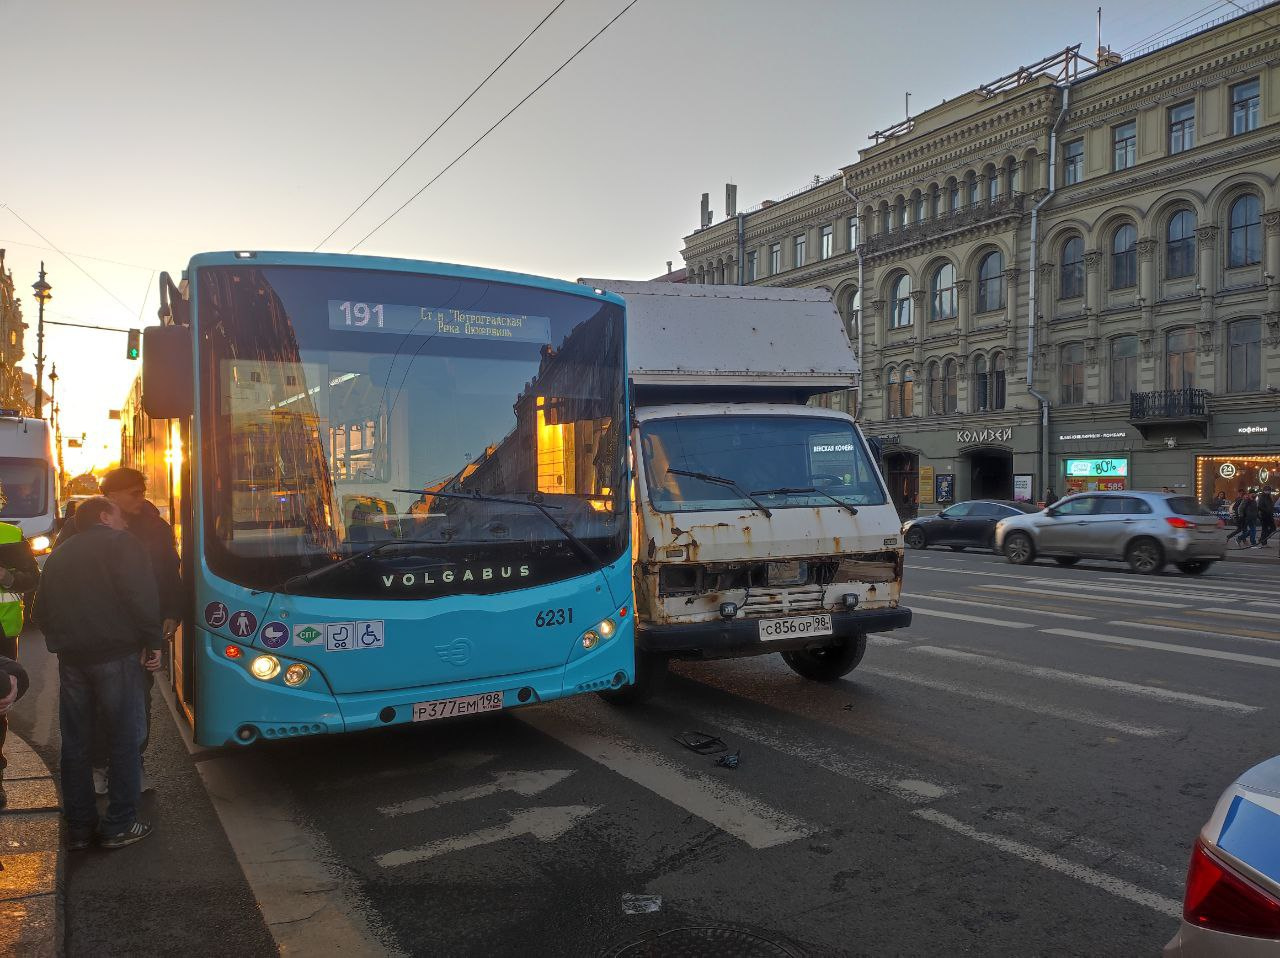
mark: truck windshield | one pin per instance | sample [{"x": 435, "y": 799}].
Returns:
[
  {"x": 335, "y": 402},
  {"x": 25, "y": 483},
  {"x": 793, "y": 453}
]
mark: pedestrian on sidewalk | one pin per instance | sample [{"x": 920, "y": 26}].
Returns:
[
  {"x": 1266, "y": 515},
  {"x": 127, "y": 488},
  {"x": 13, "y": 686},
  {"x": 98, "y": 608},
  {"x": 19, "y": 574},
  {"x": 1249, "y": 519}
]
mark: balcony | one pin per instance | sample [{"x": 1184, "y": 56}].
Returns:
[
  {"x": 1170, "y": 407},
  {"x": 964, "y": 217}
]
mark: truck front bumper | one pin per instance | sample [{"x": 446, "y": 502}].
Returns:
[{"x": 735, "y": 638}]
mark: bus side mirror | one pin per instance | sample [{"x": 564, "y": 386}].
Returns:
[{"x": 168, "y": 391}]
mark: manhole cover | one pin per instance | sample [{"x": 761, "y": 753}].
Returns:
[{"x": 705, "y": 941}]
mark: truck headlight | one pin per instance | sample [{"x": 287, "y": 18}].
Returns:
[{"x": 40, "y": 544}]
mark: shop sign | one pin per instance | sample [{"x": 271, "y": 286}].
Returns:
[
  {"x": 984, "y": 435},
  {"x": 926, "y": 483},
  {"x": 1227, "y": 470},
  {"x": 1092, "y": 435},
  {"x": 1022, "y": 488},
  {"x": 944, "y": 487},
  {"x": 1250, "y": 430},
  {"x": 1118, "y": 466}
]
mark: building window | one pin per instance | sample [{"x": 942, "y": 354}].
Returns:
[
  {"x": 1244, "y": 238},
  {"x": 900, "y": 395},
  {"x": 1180, "y": 256},
  {"x": 1244, "y": 365},
  {"x": 1071, "y": 372},
  {"x": 1245, "y": 100},
  {"x": 908, "y": 395},
  {"x": 950, "y": 391},
  {"x": 1072, "y": 162},
  {"x": 1124, "y": 145},
  {"x": 775, "y": 259},
  {"x": 933, "y": 389},
  {"x": 953, "y": 195},
  {"x": 1124, "y": 257},
  {"x": 993, "y": 185},
  {"x": 853, "y": 233},
  {"x": 919, "y": 200},
  {"x": 1124, "y": 367},
  {"x": 942, "y": 293},
  {"x": 981, "y": 391},
  {"x": 799, "y": 250},
  {"x": 1071, "y": 282},
  {"x": 1182, "y": 127},
  {"x": 751, "y": 266},
  {"x": 1180, "y": 359},
  {"x": 973, "y": 189},
  {"x": 997, "y": 381},
  {"x": 935, "y": 202},
  {"x": 991, "y": 282},
  {"x": 828, "y": 241},
  {"x": 900, "y": 303}
]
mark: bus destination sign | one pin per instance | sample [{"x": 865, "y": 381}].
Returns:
[{"x": 349, "y": 316}]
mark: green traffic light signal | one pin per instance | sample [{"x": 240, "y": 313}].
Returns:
[{"x": 134, "y": 347}]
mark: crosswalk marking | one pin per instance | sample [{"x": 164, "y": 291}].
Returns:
[
  {"x": 971, "y": 618},
  {"x": 1081, "y": 716},
  {"x": 1166, "y": 647},
  {"x": 1083, "y": 598},
  {"x": 914, "y": 598},
  {"x": 526, "y": 784},
  {"x": 1270, "y": 616},
  {"x": 544, "y": 824},
  {"x": 1075, "y": 678},
  {"x": 1164, "y": 625},
  {"x": 1191, "y": 593}
]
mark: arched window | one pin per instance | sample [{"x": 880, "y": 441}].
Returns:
[
  {"x": 886, "y": 217},
  {"x": 1180, "y": 359},
  {"x": 1244, "y": 358},
  {"x": 1244, "y": 237},
  {"x": 991, "y": 282},
  {"x": 1124, "y": 367},
  {"x": 972, "y": 186},
  {"x": 942, "y": 292},
  {"x": 981, "y": 392},
  {"x": 1012, "y": 185},
  {"x": 933, "y": 389},
  {"x": 900, "y": 303},
  {"x": 950, "y": 389},
  {"x": 935, "y": 202},
  {"x": 993, "y": 184},
  {"x": 1071, "y": 281},
  {"x": 894, "y": 409},
  {"x": 1071, "y": 374},
  {"x": 908, "y": 395},
  {"x": 953, "y": 195},
  {"x": 1180, "y": 251},
  {"x": 903, "y": 212},
  {"x": 918, "y": 200},
  {"x": 1124, "y": 257},
  {"x": 997, "y": 381}
]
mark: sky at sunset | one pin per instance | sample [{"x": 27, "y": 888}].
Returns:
[{"x": 139, "y": 133}]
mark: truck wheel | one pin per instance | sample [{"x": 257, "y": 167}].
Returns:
[
  {"x": 830, "y": 662},
  {"x": 651, "y": 676}
]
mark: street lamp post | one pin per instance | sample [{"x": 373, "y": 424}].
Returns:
[{"x": 43, "y": 295}]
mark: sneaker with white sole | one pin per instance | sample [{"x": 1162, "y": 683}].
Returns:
[
  {"x": 134, "y": 833},
  {"x": 100, "y": 781}
]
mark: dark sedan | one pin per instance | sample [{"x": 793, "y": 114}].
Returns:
[{"x": 964, "y": 524}]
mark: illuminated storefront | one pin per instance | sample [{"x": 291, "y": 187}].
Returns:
[
  {"x": 1096, "y": 475},
  {"x": 1229, "y": 474}
]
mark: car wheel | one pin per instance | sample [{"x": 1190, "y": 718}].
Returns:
[
  {"x": 830, "y": 662},
  {"x": 958, "y": 548},
  {"x": 1144, "y": 556},
  {"x": 1019, "y": 549},
  {"x": 1194, "y": 566},
  {"x": 651, "y": 676},
  {"x": 914, "y": 538},
  {"x": 1066, "y": 560}
]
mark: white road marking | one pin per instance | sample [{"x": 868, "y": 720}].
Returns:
[
  {"x": 1161, "y": 627},
  {"x": 1155, "y": 588},
  {"x": 997, "y": 575},
  {"x": 971, "y": 618},
  {"x": 1081, "y": 716},
  {"x": 912, "y": 598},
  {"x": 1036, "y": 856},
  {"x": 885, "y": 640},
  {"x": 544, "y": 824},
  {"x": 1270, "y": 616},
  {"x": 732, "y": 811},
  {"x": 1083, "y": 598},
  {"x": 526, "y": 784},
  {"x": 1093, "y": 681},
  {"x": 1166, "y": 647}
]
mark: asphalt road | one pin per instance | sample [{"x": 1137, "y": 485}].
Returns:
[{"x": 1022, "y": 772}]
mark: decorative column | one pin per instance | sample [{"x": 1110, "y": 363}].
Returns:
[
  {"x": 878, "y": 326},
  {"x": 1207, "y": 276},
  {"x": 1011, "y": 276},
  {"x": 919, "y": 316},
  {"x": 1093, "y": 281},
  {"x": 1271, "y": 256},
  {"x": 962, "y": 305},
  {"x": 1046, "y": 298},
  {"x": 1147, "y": 280}
]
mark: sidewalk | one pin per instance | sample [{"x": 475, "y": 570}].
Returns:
[{"x": 31, "y": 856}]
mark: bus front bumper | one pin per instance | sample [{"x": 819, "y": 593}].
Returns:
[{"x": 735, "y": 638}]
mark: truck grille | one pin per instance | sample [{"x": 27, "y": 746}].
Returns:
[{"x": 805, "y": 598}]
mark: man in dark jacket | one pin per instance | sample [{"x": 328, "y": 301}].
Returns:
[
  {"x": 13, "y": 686},
  {"x": 1266, "y": 515},
  {"x": 98, "y": 608},
  {"x": 19, "y": 575}
]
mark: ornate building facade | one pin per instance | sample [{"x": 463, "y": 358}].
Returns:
[
  {"x": 1066, "y": 279},
  {"x": 15, "y": 384}
]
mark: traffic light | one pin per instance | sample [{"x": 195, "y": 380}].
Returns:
[{"x": 135, "y": 340}]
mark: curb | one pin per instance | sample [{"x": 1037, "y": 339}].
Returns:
[{"x": 31, "y": 856}]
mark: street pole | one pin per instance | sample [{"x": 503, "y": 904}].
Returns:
[{"x": 42, "y": 295}]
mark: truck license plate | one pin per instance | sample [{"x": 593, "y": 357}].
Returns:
[
  {"x": 795, "y": 627},
  {"x": 463, "y": 705}
]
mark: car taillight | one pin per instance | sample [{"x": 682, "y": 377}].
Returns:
[
  {"x": 1179, "y": 523},
  {"x": 1221, "y": 900}
]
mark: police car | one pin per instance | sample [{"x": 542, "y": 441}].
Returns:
[{"x": 1232, "y": 903}]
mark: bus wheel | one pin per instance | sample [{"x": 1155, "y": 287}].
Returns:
[
  {"x": 651, "y": 676},
  {"x": 830, "y": 662}
]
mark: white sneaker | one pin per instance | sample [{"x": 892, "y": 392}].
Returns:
[{"x": 100, "y": 781}]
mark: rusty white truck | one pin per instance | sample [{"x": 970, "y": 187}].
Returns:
[{"x": 761, "y": 523}]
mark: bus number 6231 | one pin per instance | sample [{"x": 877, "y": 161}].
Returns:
[{"x": 551, "y": 617}]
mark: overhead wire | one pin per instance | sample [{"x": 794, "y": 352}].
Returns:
[
  {"x": 98, "y": 259},
  {"x": 500, "y": 121},
  {"x": 1178, "y": 25},
  {"x": 440, "y": 126}
]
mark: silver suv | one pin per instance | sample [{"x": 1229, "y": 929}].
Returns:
[{"x": 1144, "y": 529}]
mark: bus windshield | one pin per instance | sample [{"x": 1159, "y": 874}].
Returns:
[
  {"x": 334, "y": 402},
  {"x": 25, "y": 483},
  {"x": 781, "y": 461}
]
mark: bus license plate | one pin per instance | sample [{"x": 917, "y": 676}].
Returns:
[
  {"x": 795, "y": 627},
  {"x": 463, "y": 705}
]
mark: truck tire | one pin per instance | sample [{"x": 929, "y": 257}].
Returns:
[
  {"x": 651, "y": 676},
  {"x": 831, "y": 662}
]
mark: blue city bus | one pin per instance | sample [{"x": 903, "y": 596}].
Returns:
[{"x": 401, "y": 490}]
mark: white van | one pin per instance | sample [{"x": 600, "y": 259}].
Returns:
[{"x": 29, "y": 478}]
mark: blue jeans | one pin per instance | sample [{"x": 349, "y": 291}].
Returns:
[{"x": 113, "y": 692}]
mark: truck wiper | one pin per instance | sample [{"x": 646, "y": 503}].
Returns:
[
  {"x": 807, "y": 490},
  {"x": 303, "y": 578},
  {"x": 581, "y": 547},
  {"x": 722, "y": 481}
]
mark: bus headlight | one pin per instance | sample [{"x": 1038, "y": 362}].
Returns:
[
  {"x": 40, "y": 544},
  {"x": 590, "y": 639},
  {"x": 296, "y": 674},
  {"x": 606, "y": 629},
  {"x": 265, "y": 667}
]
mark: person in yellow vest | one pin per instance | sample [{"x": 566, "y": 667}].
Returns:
[{"x": 19, "y": 574}]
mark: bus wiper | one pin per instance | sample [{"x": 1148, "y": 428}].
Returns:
[
  {"x": 807, "y": 490},
  {"x": 722, "y": 481},
  {"x": 303, "y": 578},
  {"x": 581, "y": 547}
]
